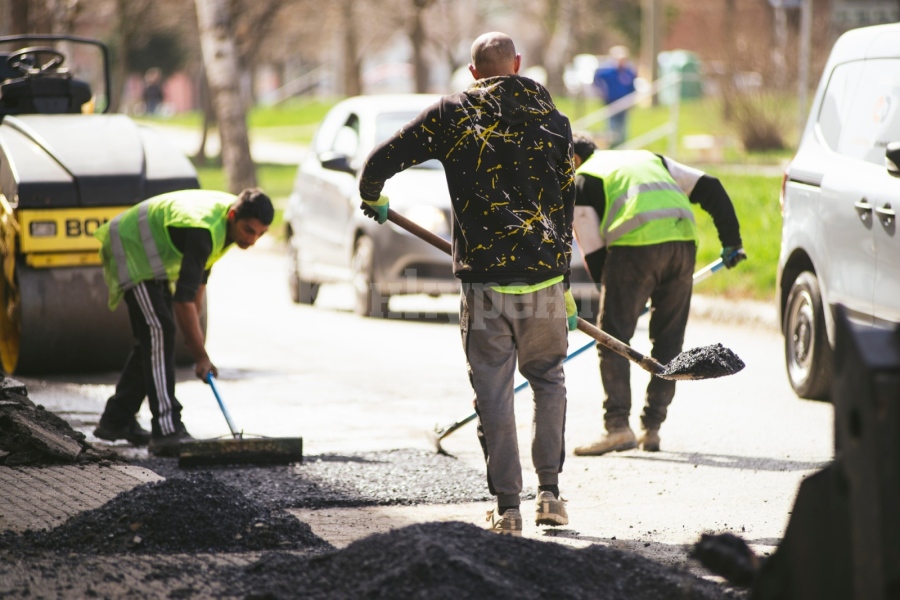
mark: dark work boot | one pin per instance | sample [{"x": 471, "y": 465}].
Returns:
[
  {"x": 132, "y": 432},
  {"x": 649, "y": 441},
  {"x": 169, "y": 445}
]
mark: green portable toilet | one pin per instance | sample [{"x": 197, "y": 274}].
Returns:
[{"x": 688, "y": 65}]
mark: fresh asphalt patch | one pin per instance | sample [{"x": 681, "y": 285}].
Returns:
[
  {"x": 394, "y": 477},
  {"x": 171, "y": 539}
]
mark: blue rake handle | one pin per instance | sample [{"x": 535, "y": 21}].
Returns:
[{"x": 211, "y": 380}]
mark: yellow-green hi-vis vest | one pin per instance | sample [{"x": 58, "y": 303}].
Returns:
[
  {"x": 135, "y": 245},
  {"x": 644, "y": 204}
]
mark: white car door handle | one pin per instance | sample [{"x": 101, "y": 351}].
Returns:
[
  {"x": 864, "y": 208},
  {"x": 886, "y": 214}
]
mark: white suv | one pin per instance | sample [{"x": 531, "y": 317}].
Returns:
[{"x": 839, "y": 240}]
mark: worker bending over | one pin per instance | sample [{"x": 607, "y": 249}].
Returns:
[
  {"x": 157, "y": 255},
  {"x": 635, "y": 226}
]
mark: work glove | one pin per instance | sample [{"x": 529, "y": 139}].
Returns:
[
  {"x": 732, "y": 255},
  {"x": 376, "y": 209},
  {"x": 571, "y": 311}
]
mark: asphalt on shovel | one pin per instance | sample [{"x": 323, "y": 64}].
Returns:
[
  {"x": 439, "y": 433},
  {"x": 238, "y": 450},
  {"x": 707, "y": 362}
]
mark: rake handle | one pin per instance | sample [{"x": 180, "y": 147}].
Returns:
[{"x": 211, "y": 380}]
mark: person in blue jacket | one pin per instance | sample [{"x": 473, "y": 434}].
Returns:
[{"x": 614, "y": 80}]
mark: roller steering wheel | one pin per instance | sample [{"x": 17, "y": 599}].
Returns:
[{"x": 26, "y": 60}]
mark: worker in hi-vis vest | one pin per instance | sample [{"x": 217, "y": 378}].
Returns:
[
  {"x": 157, "y": 256},
  {"x": 634, "y": 224}
]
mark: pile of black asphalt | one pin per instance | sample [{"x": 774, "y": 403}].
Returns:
[
  {"x": 194, "y": 513},
  {"x": 457, "y": 560},
  {"x": 706, "y": 362}
]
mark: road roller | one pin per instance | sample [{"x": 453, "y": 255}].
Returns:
[{"x": 67, "y": 165}]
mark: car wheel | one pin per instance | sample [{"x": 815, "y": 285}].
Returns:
[
  {"x": 808, "y": 355},
  {"x": 302, "y": 292},
  {"x": 369, "y": 301}
]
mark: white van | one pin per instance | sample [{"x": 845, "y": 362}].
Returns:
[{"x": 840, "y": 195}]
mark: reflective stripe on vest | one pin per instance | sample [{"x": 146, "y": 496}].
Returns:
[
  {"x": 643, "y": 173},
  {"x": 118, "y": 251}
]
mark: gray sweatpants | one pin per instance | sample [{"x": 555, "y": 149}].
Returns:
[{"x": 497, "y": 331}]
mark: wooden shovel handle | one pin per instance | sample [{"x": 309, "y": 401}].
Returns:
[
  {"x": 645, "y": 362},
  {"x": 419, "y": 231},
  {"x": 648, "y": 363}
]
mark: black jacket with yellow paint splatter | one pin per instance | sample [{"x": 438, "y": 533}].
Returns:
[{"x": 506, "y": 152}]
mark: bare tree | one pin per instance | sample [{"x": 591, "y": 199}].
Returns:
[
  {"x": 221, "y": 65},
  {"x": 19, "y": 16},
  {"x": 417, "y": 39},
  {"x": 352, "y": 61},
  {"x": 452, "y": 26}
]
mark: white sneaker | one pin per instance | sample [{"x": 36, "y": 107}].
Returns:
[
  {"x": 550, "y": 510},
  {"x": 509, "y": 523}
]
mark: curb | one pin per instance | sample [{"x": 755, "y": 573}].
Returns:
[{"x": 750, "y": 313}]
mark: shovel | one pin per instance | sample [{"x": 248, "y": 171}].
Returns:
[
  {"x": 707, "y": 362},
  {"x": 439, "y": 433}
]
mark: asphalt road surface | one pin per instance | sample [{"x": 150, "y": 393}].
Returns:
[{"x": 734, "y": 449}]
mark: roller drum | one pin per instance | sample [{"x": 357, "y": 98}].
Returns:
[{"x": 66, "y": 324}]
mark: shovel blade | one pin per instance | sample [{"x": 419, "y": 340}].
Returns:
[{"x": 706, "y": 362}]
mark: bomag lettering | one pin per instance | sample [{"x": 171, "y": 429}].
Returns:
[
  {"x": 76, "y": 227},
  {"x": 64, "y": 230}
]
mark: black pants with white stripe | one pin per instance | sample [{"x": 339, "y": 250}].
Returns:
[{"x": 150, "y": 369}]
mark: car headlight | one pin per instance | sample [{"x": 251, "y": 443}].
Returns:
[{"x": 429, "y": 217}]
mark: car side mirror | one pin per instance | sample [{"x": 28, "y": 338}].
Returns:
[
  {"x": 336, "y": 162},
  {"x": 892, "y": 158}
]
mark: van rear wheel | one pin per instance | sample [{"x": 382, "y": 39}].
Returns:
[{"x": 808, "y": 355}]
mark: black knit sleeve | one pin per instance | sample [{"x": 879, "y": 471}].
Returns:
[
  {"x": 710, "y": 194},
  {"x": 196, "y": 246}
]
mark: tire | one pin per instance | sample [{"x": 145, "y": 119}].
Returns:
[
  {"x": 809, "y": 357},
  {"x": 369, "y": 302},
  {"x": 302, "y": 292}
]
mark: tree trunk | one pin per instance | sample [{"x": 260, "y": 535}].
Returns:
[
  {"x": 119, "y": 67},
  {"x": 221, "y": 65},
  {"x": 19, "y": 17},
  {"x": 352, "y": 75},
  {"x": 727, "y": 90},
  {"x": 208, "y": 116},
  {"x": 417, "y": 39},
  {"x": 558, "y": 47}
]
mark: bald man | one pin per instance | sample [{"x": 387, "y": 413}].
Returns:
[{"x": 506, "y": 152}]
